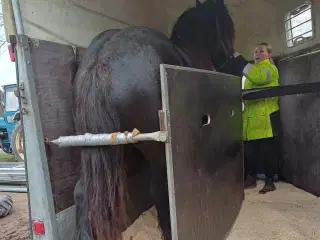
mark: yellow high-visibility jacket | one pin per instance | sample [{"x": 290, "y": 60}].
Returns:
[{"x": 256, "y": 114}]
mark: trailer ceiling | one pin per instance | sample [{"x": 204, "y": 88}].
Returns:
[{"x": 76, "y": 22}]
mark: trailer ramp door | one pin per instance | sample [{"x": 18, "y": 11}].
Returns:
[
  {"x": 203, "y": 115},
  {"x": 46, "y": 71}
]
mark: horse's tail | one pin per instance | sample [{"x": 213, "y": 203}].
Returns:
[{"x": 102, "y": 167}]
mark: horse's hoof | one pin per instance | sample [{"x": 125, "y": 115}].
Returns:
[{"x": 268, "y": 187}]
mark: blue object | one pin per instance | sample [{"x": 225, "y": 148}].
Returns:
[
  {"x": 4, "y": 139},
  {"x": 10, "y": 105}
]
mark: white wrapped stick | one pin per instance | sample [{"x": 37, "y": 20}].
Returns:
[{"x": 104, "y": 139}]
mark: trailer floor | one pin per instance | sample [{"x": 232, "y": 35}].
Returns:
[{"x": 286, "y": 214}]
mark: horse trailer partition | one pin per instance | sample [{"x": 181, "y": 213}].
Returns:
[
  {"x": 204, "y": 154},
  {"x": 300, "y": 117}
]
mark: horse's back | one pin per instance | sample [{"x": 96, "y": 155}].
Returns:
[{"x": 132, "y": 59}]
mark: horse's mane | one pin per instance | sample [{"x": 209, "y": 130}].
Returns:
[{"x": 205, "y": 25}]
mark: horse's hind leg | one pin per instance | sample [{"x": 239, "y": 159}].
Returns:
[
  {"x": 159, "y": 192},
  {"x": 159, "y": 187}
]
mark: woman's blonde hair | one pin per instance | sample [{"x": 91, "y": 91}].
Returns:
[
  {"x": 267, "y": 45},
  {"x": 269, "y": 49}
]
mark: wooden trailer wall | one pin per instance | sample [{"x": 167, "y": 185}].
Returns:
[{"x": 54, "y": 66}]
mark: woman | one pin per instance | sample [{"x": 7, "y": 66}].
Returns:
[{"x": 259, "y": 125}]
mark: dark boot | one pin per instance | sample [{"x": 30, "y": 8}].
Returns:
[
  {"x": 268, "y": 187},
  {"x": 250, "y": 182}
]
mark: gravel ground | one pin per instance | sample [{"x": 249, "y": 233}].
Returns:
[{"x": 16, "y": 225}]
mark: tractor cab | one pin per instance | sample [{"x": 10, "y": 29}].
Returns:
[
  {"x": 4, "y": 139},
  {"x": 8, "y": 120},
  {"x": 10, "y": 105}
]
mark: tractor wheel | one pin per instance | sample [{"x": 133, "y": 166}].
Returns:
[
  {"x": 17, "y": 142},
  {"x": 5, "y": 205},
  {"x": 6, "y": 148}
]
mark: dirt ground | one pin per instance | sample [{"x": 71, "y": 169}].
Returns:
[
  {"x": 16, "y": 226},
  {"x": 286, "y": 214}
]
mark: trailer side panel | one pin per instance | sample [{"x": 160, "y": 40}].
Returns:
[
  {"x": 54, "y": 67},
  {"x": 300, "y": 116}
]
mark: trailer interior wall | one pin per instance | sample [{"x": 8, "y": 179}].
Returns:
[
  {"x": 300, "y": 113},
  {"x": 266, "y": 24},
  {"x": 76, "y": 22},
  {"x": 287, "y": 6}
]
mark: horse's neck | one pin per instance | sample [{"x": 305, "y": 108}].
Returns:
[{"x": 197, "y": 58}]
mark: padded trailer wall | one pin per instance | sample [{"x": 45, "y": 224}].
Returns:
[{"x": 300, "y": 116}]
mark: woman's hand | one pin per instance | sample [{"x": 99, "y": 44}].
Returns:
[{"x": 235, "y": 65}]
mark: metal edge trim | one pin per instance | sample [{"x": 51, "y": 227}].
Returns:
[
  {"x": 66, "y": 221},
  {"x": 168, "y": 149},
  {"x": 38, "y": 177},
  {"x": 198, "y": 70}
]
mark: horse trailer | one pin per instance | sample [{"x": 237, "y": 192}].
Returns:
[{"x": 50, "y": 38}]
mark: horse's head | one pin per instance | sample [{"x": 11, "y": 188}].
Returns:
[{"x": 209, "y": 28}]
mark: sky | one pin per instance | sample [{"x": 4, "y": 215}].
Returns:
[{"x": 7, "y": 68}]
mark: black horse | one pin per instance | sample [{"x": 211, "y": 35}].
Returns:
[{"x": 117, "y": 88}]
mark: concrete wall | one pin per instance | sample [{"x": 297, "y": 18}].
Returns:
[{"x": 76, "y": 22}]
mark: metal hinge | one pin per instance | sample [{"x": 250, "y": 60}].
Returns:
[{"x": 164, "y": 122}]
